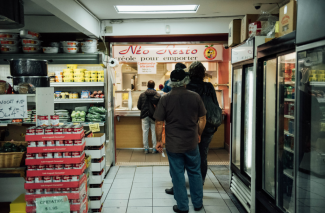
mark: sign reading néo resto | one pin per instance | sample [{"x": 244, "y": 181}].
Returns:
[{"x": 168, "y": 53}]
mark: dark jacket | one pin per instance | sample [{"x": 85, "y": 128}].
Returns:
[
  {"x": 197, "y": 85},
  {"x": 146, "y": 101}
]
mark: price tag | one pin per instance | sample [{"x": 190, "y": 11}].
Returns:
[
  {"x": 13, "y": 106},
  {"x": 55, "y": 204},
  {"x": 94, "y": 127}
]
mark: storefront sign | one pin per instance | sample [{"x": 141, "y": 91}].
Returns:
[
  {"x": 13, "y": 106},
  {"x": 53, "y": 204},
  {"x": 168, "y": 53},
  {"x": 147, "y": 67},
  {"x": 243, "y": 52}
]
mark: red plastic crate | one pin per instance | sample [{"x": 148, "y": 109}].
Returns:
[
  {"x": 56, "y": 148},
  {"x": 54, "y": 161},
  {"x": 74, "y": 184},
  {"x": 61, "y": 172},
  {"x": 55, "y": 137}
]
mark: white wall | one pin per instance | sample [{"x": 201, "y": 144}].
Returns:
[{"x": 180, "y": 26}]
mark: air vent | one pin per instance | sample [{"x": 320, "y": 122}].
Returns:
[{"x": 11, "y": 14}]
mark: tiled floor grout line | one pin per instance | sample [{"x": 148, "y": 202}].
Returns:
[
  {"x": 111, "y": 183},
  {"x": 127, "y": 206}
]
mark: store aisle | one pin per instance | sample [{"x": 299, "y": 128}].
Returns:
[
  {"x": 133, "y": 157},
  {"x": 141, "y": 190}
]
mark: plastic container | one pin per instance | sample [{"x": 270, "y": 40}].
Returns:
[
  {"x": 101, "y": 80},
  {"x": 79, "y": 71},
  {"x": 89, "y": 49},
  {"x": 9, "y": 42},
  {"x": 94, "y": 72},
  {"x": 29, "y": 34},
  {"x": 31, "y": 49},
  {"x": 69, "y": 43},
  {"x": 50, "y": 49},
  {"x": 94, "y": 76},
  {"x": 94, "y": 80},
  {"x": 72, "y": 66},
  {"x": 100, "y": 76},
  {"x": 87, "y": 79},
  {"x": 72, "y": 50},
  {"x": 9, "y": 35},
  {"x": 79, "y": 79},
  {"x": 79, "y": 75},
  {"x": 68, "y": 80},
  {"x": 68, "y": 75},
  {"x": 9, "y": 49},
  {"x": 101, "y": 72},
  {"x": 68, "y": 71},
  {"x": 89, "y": 43},
  {"x": 30, "y": 42},
  {"x": 58, "y": 79}
]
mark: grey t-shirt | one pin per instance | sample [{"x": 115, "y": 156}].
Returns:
[{"x": 181, "y": 110}]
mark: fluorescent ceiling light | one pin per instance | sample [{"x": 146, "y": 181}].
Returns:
[{"x": 157, "y": 8}]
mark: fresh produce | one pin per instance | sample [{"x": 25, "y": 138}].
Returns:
[
  {"x": 10, "y": 147},
  {"x": 100, "y": 110}
]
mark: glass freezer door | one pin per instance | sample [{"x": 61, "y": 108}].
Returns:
[
  {"x": 236, "y": 118},
  {"x": 286, "y": 131},
  {"x": 311, "y": 129}
]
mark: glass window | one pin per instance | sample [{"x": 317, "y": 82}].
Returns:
[
  {"x": 269, "y": 126},
  {"x": 248, "y": 119},
  {"x": 311, "y": 135},
  {"x": 236, "y": 118},
  {"x": 286, "y": 141}
]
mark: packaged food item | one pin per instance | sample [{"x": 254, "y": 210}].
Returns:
[
  {"x": 38, "y": 179},
  {"x": 72, "y": 66},
  {"x": 68, "y": 143},
  {"x": 47, "y": 179},
  {"x": 58, "y": 155},
  {"x": 31, "y": 167},
  {"x": 101, "y": 80},
  {"x": 57, "y": 94},
  {"x": 68, "y": 71},
  {"x": 67, "y": 75},
  {"x": 100, "y": 76},
  {"x": 30, "y": 156},
  {"x": 94, "y": 72},
  {"x": 31, "y": 131},
  {"x": 87, "y": 79},
  {"x": 59, "y": 143},
  {"x": 48, "y": 191},
  {"x": 75, "y": 178},
  {"x": 57, "y": 179},
  {"x": 48, "y": 155},
  {"x": 40, "y": 143},
  {"x": 67, "y": 155},
  {"x": 67, "y": 166},
  {"x": 79, "y": 71},
  {"x": 79, "y": 79},
  {"x": 49, "y": 167},
  {"x": 30, "y": 179},
  {"x": 42, "y": 120},
  {"x": 94, "y": 80},
  {"x": 75, "y": 95},
  {"x": 101, "y": 72},
  {"x": 58, "y": 166},
  {"x": 49, "y": 130},
  {"x": 58, "y": 130},
  {"x": 93, "y": 76},
  {"x": 54, "y": 120},
  {"x": 85, "y": 94},
  {"x": 70, "y": 95},
  {"x": 68, "y": 80},
  {"x": 39, "y": 191},
  {"x": 66, "y": 178}
]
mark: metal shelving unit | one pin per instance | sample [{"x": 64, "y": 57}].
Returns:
[
  {"x": 78, "y": 84},
  {"x": 79, "y": 100}
]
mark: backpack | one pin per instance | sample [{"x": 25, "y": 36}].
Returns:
[{"x": 214, "y": 112}]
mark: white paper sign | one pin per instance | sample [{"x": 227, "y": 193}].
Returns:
[
  {"x": 147, "y": 68},
  {"x": 168, "y": 53},
  {"x": 55, "y": 204},
  {"x": 13, "y": 106}
]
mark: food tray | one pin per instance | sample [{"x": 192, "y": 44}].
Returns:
[
  {"x": 55, "y": 137},
  {"x": 60, "y": 172},
  {"x": 74, "y": 184},
  {"x": 54, "y": 161},
  {"x": 46, "y": 149}
]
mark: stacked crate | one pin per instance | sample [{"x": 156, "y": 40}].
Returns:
[
  {"x": 55, "y": 168},
  {"x": 95, "y": 148}
]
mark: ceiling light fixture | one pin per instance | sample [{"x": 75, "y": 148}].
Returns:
[{"x": 145, "y": 9}]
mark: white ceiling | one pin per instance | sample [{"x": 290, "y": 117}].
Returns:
[
  {"x": 30, "y": 8},
  {"x": 104, "y": 9}
]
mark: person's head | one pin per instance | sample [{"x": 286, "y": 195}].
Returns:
[
  {"x": 151, "y": 84},
  {"x": 178, "y": 78},
  {"x": 161, "y": 86},
  {"x": 180, "y": 66},
  {"x": 197, "y": 70}
]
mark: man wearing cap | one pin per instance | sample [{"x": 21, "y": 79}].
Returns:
[{"x": 184, "y": 114}]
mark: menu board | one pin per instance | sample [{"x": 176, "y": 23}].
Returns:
[
  {"x": 147, "y": 67},
  {"x": 13, "y": 106}
]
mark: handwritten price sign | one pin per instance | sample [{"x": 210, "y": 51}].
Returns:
[
  {"x": 13, "y": 106},
  {"x": 55, "y": 204}
]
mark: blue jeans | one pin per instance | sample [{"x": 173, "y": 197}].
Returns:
[
  {"x": 148, "y": 123},
  {"x": 190, "y": 161}
]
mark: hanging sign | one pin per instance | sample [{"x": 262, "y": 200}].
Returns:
[
  {"x": 243, "y": 52},
  {"x": 13, "y": 106},
  {"x": 168, "y": 53},
  {"x": 147, "y": 67},
  {"x": 53, "y": 204}
]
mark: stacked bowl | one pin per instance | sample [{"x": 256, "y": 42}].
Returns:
[
  {"x": 89, "y": 46},
  {"x": 30, "y": 41},
  {"x": 70, "y": 46},
  {"x": 9, "y": 43}
]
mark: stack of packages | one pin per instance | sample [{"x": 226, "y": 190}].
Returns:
[
  {"x": 56, "y": 167},
  {"x": 96, "y": 114},
  {"x": 58, "y": 76},
  {"x": 9, "y": 43},
  {"x": 31, "y": 116},
  {"x": 92, "y": 76},
  {"x": 30, "y": 41},
  {"x": 63, "y": 114}
]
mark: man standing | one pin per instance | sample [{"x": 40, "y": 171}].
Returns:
[
  {"x": 147, "y": 103},
  {"x": 184, "y": 113}
]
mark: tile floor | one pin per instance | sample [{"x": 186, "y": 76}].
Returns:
[
  {"x": 215, "y": 156},
  {"x": 141, "y": 190}
]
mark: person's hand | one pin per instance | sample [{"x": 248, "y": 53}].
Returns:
[
  {"x": 154, "y": 106},
  {"x": 199, "y": 138},
  {"x": 159, "y": 147}
]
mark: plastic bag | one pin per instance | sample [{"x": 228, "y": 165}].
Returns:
[
  {"x": 100, "y": 110},
  {"x": 93, "y": 115},
  {"x": 264, "y": 25}
]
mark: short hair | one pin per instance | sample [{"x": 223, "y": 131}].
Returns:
[
  {"x": 180, "y": 66},
  {"x": 151, "y": 84},
  {"x": 197, "y": 70},
  {"x": 181, "y": 83}
]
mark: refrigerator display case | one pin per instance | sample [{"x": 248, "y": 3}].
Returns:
[
  {"x": 275, "y": 128},
  {"x": 310, "y": 137},
  {"x": 242, "y": 152}
]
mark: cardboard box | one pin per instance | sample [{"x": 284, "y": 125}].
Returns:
[
  {"x": 234, "y": 32},
  {"x": 288, "y": 18},
  {"x": 97, "y": 140},
  {"x": 244, "y": 32}
]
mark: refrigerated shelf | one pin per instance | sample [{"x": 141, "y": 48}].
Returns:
[
  {"x": 289, "y": 116},
  {"x": 288, "y": 149},
  {"x": 288, "y": 173},
  {"x": 79, "y": 100},
  {"x": 289, "y": 99},
  {"x": 290, "y": 82},
  {"x": 287, "y": 133},
  {"x": 77, "y": 84}
]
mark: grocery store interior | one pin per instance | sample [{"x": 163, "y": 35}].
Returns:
[{"x": 71, "y": 76}]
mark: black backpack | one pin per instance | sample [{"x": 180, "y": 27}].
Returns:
[{"x": 214, "y": 112}]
